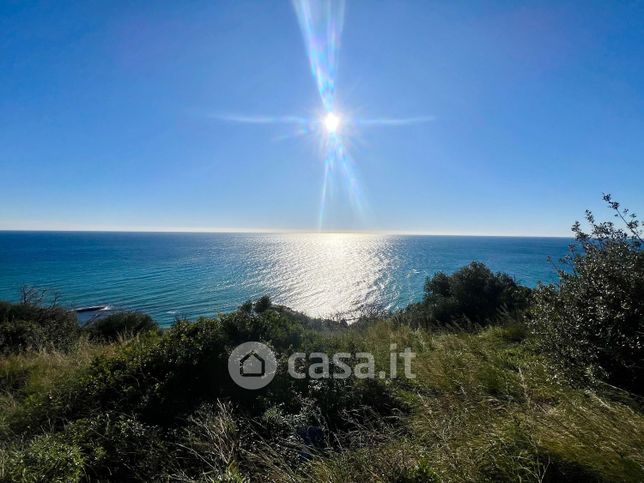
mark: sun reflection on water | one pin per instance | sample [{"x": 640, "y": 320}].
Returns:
[{"x": 324, "y": 274}]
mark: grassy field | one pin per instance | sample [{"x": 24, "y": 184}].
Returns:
[{"x": 484, "y": 406}]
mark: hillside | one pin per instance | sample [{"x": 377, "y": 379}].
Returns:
[{"x": 484, "y": 405}]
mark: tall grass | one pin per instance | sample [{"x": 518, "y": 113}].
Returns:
[
  {"x": 487, "y": 408},
  {"x": 484, "y": 406}
]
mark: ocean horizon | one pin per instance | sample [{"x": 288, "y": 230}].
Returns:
[{"x": 181, "y": 274}]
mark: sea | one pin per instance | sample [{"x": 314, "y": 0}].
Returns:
[{"x": 187, "y": 275}]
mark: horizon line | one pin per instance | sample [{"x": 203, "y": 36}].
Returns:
[{"x": 275, "y": 231}]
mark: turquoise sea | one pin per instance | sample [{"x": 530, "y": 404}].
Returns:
[{"x": 193, "y": 274}]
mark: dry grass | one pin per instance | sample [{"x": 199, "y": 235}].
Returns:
[
  {"x": 486, "y": 408},
  {"x": 39, "y": 372},
  {"x": 483, "y": 407}
]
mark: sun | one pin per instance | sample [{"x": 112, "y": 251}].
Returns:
[{"x": 331, "y": 123}]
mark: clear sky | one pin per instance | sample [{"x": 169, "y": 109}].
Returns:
[{"x": 120, "y": 115}]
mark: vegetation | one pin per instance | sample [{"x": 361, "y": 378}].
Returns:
[
  {"x": 30, "y": 325},
  {"x": 483, "y": 406},
  {"x": 473, "y": 294},
  {"x": 491, "y": 401},
  {"x": 110, "y": 328},
  {"x": 263, "y": 304},
  {"x": 592, "y": 322}
]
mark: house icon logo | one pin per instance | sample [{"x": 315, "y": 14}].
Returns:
[{"x": 252, "y": 365}]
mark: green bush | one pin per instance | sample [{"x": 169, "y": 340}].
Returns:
[
  {"x": 592, "y": 321},
  {"x": 161, "y": 407},
  {"x": 47, "y": 458},
  {"x": 264, "y": 303},
  {"x": 473, "y": 294},
  {"x": 278, "y": 328},
  {"x": 25, "y": 326},
  {"x": 158, "y": 378},
  {"x": 161, "y": 379},
  {"x": 108, "y": 329},
  {"x": 246, "y": 306},
  {"x": 117, "y": 447}
]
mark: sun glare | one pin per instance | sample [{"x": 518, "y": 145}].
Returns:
[{"x": 331, "y": 123}]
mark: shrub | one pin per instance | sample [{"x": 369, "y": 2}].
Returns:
[
  {"x": 20, "y": 335},
  {"x": 246, "y": 306},
  {"x": 473, "y": 293},
  {"x": 592, "y": 321},
  {"x": 160, "y": 378},
  {"x": 280, "y": 329},
  {"x": 264, "y": 303},
  {"x": 117, "y": 447},
  {"x": 26, "y": 326},
  {"x": 47, "y": 458},
  {"x": 109, "y": 328}
]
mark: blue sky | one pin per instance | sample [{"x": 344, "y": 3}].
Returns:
[{"x": 111, "y": 115}]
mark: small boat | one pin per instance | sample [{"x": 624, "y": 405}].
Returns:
[{"x": 91, "y": 308}]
